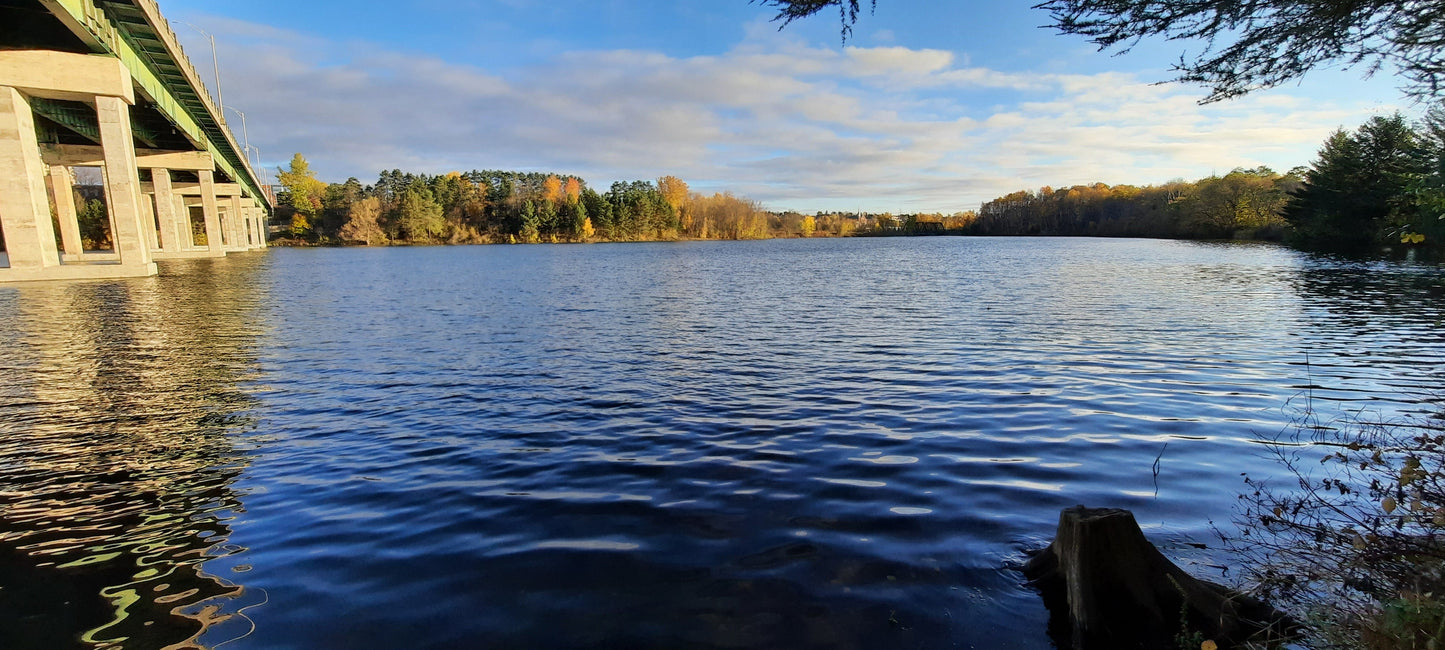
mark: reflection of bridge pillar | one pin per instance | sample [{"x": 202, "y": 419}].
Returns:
[
  {"x": 24, "y": 210},
  {"x": 213, "y": 213},
  {"x": 62, "y": 189},
  {"x": 122, "y": 185}
]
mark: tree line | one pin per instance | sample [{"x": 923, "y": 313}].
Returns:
[
  {"x": 1382, "y": 184},
  {"x": 1243, "y": 204},
  {"x": 495, "y": 206}
]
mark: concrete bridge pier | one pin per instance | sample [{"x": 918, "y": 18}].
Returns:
[
  {"x": 24, "y": 207},
  {"x": 211, "y": 208},
  {"x": 167, "y": 219},
  {"x": 61, "y": 189},
  {"x": 235, "y": 241},
  {"x": 257, "y": 224},
  {"x": 24, "y": 211},
  {"x": 92, "y": 83}
]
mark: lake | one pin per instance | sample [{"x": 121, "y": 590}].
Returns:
[{"x": 791, "y": 443}]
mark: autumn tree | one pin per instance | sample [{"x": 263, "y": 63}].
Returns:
[
  {"x": 585, "y": 231},
  {"x": 363, "y": 222},
  {"x": 807, "y": 226},
  {"x": 675, "y": 192},
  {"x": 1242, "y": 200},
  {"x": 552, "y": 189},
  {"x": 725, "y": 216},
  {"x": 305, "y": 194},
  {"x": 1246, "y": 46}
]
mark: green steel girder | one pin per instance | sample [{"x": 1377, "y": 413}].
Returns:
[
  {"x": 123, "y": 30},
  {"x": 80, "y": 118},
  {"x": 75, "y": 116}
]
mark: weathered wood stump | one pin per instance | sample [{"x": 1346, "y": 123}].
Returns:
[{"x": 1106, "y": 586}]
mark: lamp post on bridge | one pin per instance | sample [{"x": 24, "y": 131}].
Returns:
[
  {"x": 215, "y": 65},
  {"x": 265, "y": 176},
  {"x": 246, "y": 135}
]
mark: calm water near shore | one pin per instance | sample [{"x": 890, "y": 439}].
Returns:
[{"x": 790, "y": 443}]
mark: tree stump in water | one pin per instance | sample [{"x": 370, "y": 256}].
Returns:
[{"x": 1106, "y": 586}]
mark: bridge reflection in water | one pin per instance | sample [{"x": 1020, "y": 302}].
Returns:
[{"x": 123, "y": 416}]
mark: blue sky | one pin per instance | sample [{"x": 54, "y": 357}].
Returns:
[{"x": 930, "y": 106}]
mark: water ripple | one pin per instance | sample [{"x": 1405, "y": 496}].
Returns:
[{"x": 839, "y": 443}]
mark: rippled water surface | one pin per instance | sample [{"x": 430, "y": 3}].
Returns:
[{"x": 802, "y": 443}]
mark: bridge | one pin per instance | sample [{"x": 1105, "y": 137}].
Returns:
[{"x": 100, "y": 89}]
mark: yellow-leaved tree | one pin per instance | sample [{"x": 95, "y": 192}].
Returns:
[
  {"x": 675, "y": 192},
  {"x": 363, "y": 222},
  {"x": 304, "y": 193}
]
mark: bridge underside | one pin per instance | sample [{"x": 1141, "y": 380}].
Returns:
[{"x": 102, "y": 86}]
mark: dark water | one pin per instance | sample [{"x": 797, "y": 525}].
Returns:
[{"x": 819, "y": 443}]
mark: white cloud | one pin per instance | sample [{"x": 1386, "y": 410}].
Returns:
[{"x": 784, "y": 122}]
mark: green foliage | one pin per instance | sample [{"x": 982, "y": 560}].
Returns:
[
  {"x": 419, "y": 217},
  {"x": 94, "y": 225},
  {"x": 530, "y": 232},
  {"x": 502, "y": 206},
  {"x": 640, "y": 211},
  {"x": 1242, "y": 202},
  {"x": 581, "y": 225},
  {"x": 1087, "y": 210},
  {"x": 306, "y": 194},
  {"x": 1366, "y": 188},
  {"x": 336, "y": 204}
]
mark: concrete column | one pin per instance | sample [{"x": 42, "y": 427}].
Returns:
[
  {"x": 235, "y": 240},
  {"x": 24, "y": 209},
  {"x": 149, "y": 227},
  {"x": 166, "y": 211},
  {"x": 187, "y": 239},
  {"x": 255, "y": 223},
  {"x": 265, "y": 226},
  {"x": 122, "y": 183},
  {"x": 213, "y": 213},
  {"x": 63, "y": 190}
]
